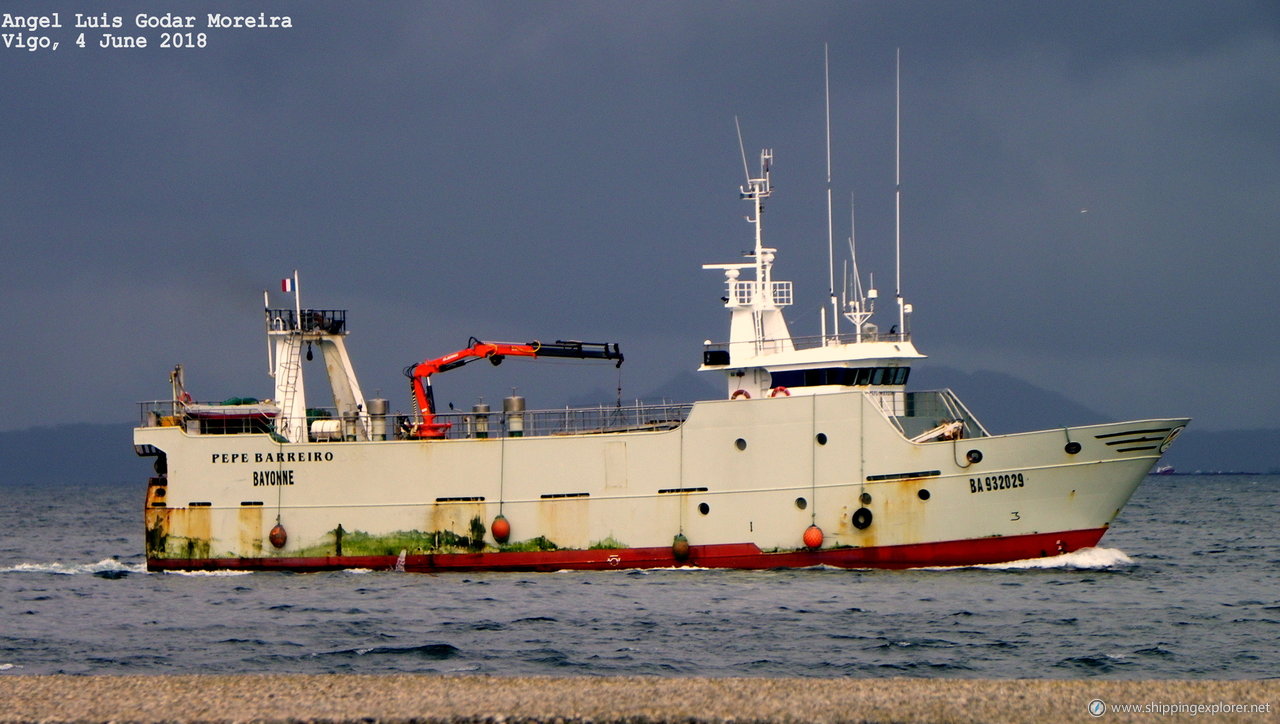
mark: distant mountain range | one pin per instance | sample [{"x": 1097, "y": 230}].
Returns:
[
  {"x": 1006, "y": 404},
  {"x": 81, "y": 453}
]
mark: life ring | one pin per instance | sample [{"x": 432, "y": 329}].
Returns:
[
  {"x": 779, "y": 390},
  {"x": 740, "y": 395}
]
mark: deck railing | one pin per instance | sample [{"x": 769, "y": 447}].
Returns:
[
  {"x": 925, "y": 410},
  {"x": 171, "y": 413},
  {"x": 527, "y": 423},
  {"x": 567, "y": 421},
  {"x": 913, "y": 413},
  {"x": 328, "y": 321},
  {"x": 159, "y": 413},
  {"x": 812, "y": 342}
]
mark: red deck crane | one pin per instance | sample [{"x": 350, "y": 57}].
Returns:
[{"x": 495, "y": 352}]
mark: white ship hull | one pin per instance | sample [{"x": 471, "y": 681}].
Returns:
[
  {"x": 818, "y": 455},
  {"x": 740, "y": 480}
]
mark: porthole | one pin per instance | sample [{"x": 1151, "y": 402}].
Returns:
[
  {"x": 922, "y": 493},
  {"x": 865, "y": 498},
  {"x": 801, "y": 503},
  {"x": 740, "y": 443},
  {"x": 704, "y": 508},
  {"x": 821, "y": 438}
]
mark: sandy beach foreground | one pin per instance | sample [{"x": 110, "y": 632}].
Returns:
[{"x": 426, "y": 698}]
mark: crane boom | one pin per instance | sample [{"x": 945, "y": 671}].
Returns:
[{"x": 420, "y": 373}]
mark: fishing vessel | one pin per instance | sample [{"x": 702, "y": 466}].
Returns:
[{"x": 816, "y": 454}]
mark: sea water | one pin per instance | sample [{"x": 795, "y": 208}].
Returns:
[{"x": 1185, "y": 585}]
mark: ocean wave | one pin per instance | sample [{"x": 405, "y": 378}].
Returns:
[
  {"x": 217, "y": 574},
  {"x": 1091, "y": 663},
  {"x": 1085, "y": 559},
  {"x": 427, "y": 651},
  {"x": 105, "y": 568},
  {"x": 1090, "y": 559}
]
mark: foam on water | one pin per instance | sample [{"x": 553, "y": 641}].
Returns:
[
  {"x": 216, "y": 574},
  {"x": 1086, "y": 559},
  {"x": 1083, "y": 559},
  {"x": 104, "y": 566}
]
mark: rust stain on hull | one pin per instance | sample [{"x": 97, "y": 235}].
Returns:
[
  {"x": 250, "y": 531},
  {"x": 156, "y": 517},
  {"x": 565, "y": 521},
  {"x": 190, "y": 532},
  {"x": 457, "y": 518}
]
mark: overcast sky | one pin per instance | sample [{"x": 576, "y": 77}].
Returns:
[{"x": 1091, "y": 191}]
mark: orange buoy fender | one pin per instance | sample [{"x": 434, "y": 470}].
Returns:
[
  {"x": 501, "y": 529},
  {"x": 277, "y": 536},
  {"x": 680, "y": 548},
  {"x": 813, "y": 537}
]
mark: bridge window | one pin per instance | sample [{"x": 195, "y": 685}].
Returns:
[{"x": 844, "y": 376}]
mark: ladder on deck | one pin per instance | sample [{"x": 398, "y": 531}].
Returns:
[{"x": 291, "y": 366}]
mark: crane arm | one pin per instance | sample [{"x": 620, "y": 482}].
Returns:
[{"x": 420, "y": 374}]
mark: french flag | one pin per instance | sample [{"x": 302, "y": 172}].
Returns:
[{"x": 286, "y": 285}]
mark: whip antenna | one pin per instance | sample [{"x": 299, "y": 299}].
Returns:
[
  {"x": 831, "y": 264},
  {"x": 746, "y": 172},
  {"x": 897, "y": 193}
]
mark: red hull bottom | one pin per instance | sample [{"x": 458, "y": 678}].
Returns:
[{"x": 727, "y": 555}]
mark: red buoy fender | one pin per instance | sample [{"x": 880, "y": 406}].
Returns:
[
  {"x": 501, "y": 529},
  {"x": 813, "y": 537},
  {"x": 277, "y": 536},
  {"x": 680, "y": 548}
]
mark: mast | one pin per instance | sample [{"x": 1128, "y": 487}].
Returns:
[
  {"x": 297, "y": 300},
  {"x": 756, "y": 323},
  {"x": 897, "y": 193},
  {"x": 757, "y": 190},
  {"x": 266, "y": 306},
  {"x": 831, "y": 264},
  {"x": 863, "y": 306}
]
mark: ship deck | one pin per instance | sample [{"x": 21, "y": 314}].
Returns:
[{"x": 912, "y": 413}]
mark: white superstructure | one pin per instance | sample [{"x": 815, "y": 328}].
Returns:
[{"x": 762, "y": 358}]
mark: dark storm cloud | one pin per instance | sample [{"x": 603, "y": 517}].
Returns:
[{"x": 1089, "y": 190}]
